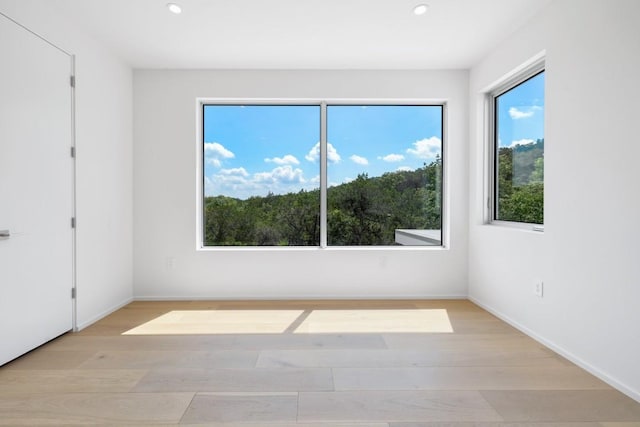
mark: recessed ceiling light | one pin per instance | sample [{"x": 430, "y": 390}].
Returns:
[
  {"x": 174, "y": 8},
  {"x": 420, "y": 9}
]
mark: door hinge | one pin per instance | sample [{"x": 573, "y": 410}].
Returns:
[
  {"x": 73, "y": 293},
  {"x": 72, "y": 81},
  {"x": 73, "y": 222},
  {"x": 73, "y": 152}
]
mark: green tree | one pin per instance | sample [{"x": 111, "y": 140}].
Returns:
[
  {"x": 300, "y": 218},
  {"x": 521, "y": 183},
  {"x": 360, "y": 222}
]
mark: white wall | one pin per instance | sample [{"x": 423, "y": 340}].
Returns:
[
  {"x": 165, "y": 194},
  {"x": 588, "y": 255},
  {"x": 104, "y": 161}
]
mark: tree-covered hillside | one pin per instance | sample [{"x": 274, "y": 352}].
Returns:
[
  {"x": 365, "y": 211},
  {"x": 521, "y": 183},
  {"x": 368, "y": 210}
]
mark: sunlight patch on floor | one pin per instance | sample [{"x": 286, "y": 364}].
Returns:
[
  {"x": 376, "y": 321},
  {"x": 200, "y": 322}
]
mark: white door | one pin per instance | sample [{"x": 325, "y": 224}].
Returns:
[{"x": 36, "y": 191}]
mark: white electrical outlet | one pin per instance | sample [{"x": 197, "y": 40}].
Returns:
[{"x": 538, "y": 288}]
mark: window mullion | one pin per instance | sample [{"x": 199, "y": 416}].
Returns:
[{"x": 323, "y": 175}]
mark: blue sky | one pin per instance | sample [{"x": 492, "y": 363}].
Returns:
[
  {"x": 251, "y": 150},
  {"x": 521, "y": 113}
]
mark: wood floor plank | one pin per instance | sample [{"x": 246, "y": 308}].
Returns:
[
  {"x": 563, "y": 405},
  {"x": 460, "y": 342},
  {"x": 376, "y": 321},
  {"x": 198, "y": 322},
  {"x": 136, "y": 359},
  {"x": 372, "y": 406},
  {"x": 92, "y": 408},
  {"x": 172, "y": 305},
  {"x": 217, "y": 342},
  {"x": 406, "y": 358},
  {"x": 466, "y": 378},
  {"x": 242, "y": 407},
  {"x": 280, "y": 424},
  {"x": 69, "y": 380},
  {"x": 481, "y": 326},
  {"x": 118, "y": 323},
  {"x": 265, "y": 380},
  {"x": 42, "y": 358},
  {"x": 320, "y": 304},
  {"x": 497, "y": 424}
]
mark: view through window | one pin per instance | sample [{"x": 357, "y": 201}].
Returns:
[
  {"x": 390, "y": 181},
  {"x": 519, "y": 156},
  {"x": 262, "y": 175}
]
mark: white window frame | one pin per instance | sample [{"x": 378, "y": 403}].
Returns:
[
  {"x": 527, "y": 70},
  {"x": 322, "y": 103}
]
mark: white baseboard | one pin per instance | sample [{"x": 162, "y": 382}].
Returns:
[
  {"x": 296, "y": 297},
  {"x": 105, "y": 313},
  {"x": 613, "y": 382}
]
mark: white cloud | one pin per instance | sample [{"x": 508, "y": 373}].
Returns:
[
  {"x": 359, "y": 160},
  {"x": 426, "y": 148},
  {"x": 214, "y": 152},
  {"x": 332, "y": 154},
  {"x": 235, "y": 180},
  {"x": 392, "y": 158},
  {"x": 282, "y": 174},
  {"x": 520, "y": 114},
  {"x": 314, "y": 153},
  {"x": 228, "y": 184},
  {"x": 404, "y": 169},
  {"x": 520, "y": 142},
  {"x": 238, "y": 182},
  {"x": 235, "y": 171},
  {"x": 217, "y": 150},
  {"x": 285, "y": 160}
]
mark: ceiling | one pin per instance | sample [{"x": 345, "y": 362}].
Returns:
[{"x": 300, "y": 34}]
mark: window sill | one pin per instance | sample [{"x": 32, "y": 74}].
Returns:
[
  {"x": 318, "y": 248},
  {"x": 535, "y": 228}
]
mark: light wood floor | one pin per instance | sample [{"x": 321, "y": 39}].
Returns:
[{"x": 305, "y": 363}]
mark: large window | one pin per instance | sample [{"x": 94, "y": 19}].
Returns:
[
  {"x": 322, "y": 175},
  {"x": 518, "y": 155}
]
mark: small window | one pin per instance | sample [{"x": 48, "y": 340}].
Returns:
[{"x": 518, "y": 150}]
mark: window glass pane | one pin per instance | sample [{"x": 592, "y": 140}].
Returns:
[
  {"x": 384, "y": 175},
  {"x": 261, "y": 175},
  {"x": 519, "y": 115}
]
